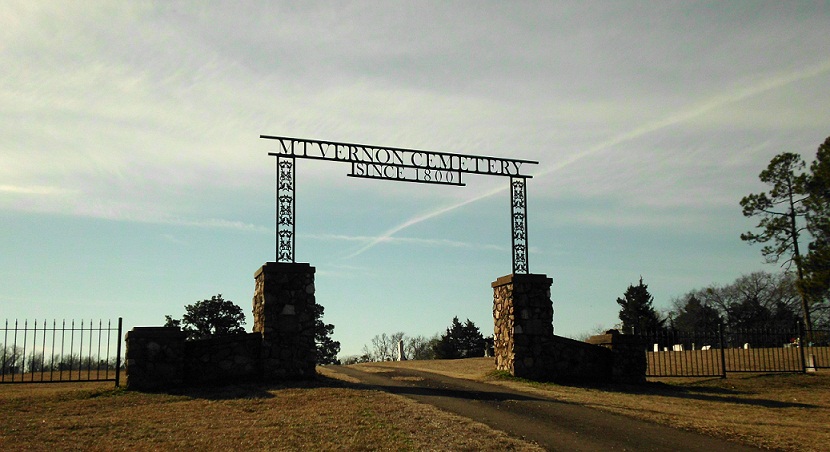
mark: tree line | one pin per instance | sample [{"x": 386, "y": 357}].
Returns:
[
  {"x": 756, "y": 301},
  {"x": 794, "y": 210},
  {"x": 14, "y": 360},
  {"x": 460, "y": 340}
]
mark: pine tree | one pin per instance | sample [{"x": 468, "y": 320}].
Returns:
[
  {"x": 327, "y": 348},
  {"x": 636, "y": 311},
  {"x": 460, "y": 341},
  {"x": 696, "y": 316},
  {"x": 815, "y": 284},
  {"x": 782, "y": 211}
]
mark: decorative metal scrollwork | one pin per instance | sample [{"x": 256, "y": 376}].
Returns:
[
  {"x": 518, "y": 203},
  {"x": 285, "y": 172},
  {"x": 401, "y": 165},
  {"x": 285, "y": 209}
]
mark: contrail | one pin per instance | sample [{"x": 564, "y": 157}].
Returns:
[
  {"x": 421, "y": 218},
  {"x": 683, "y": 116},
  {"x": 768, "y": 84}
]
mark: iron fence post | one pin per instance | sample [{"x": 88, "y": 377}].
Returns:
[
  {"x": 14, "y": 352},
  {"x": 722, "y": 352},
  {"x": 801, "y": 341},
  {"x": 5, "y": 341},
  {"x": 118, "y": 357}
]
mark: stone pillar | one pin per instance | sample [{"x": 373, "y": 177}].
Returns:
[
  {"x": 154, "y": 358},
  {"x": 629, "y": 356},
  {"x": 284, "y": 314},
  {"x": 523, "y": 324}
]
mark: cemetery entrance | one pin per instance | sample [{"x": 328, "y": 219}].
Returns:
[
  {"x": 523, "y": 341},
  {"x": 282, "y": 343},
  {"x": 401, "y": 165},
  {"x": 523, "y": 337}
]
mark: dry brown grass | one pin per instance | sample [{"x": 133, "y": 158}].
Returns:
[
  {"x": 779, "y": 411},
  {"x": 62, "y": 375},
  {"x": 323, "y": 415}
]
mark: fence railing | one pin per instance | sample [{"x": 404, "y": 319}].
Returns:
[
  {"x": 38, "y": 352},
  {"x": 673, "y": 353}
]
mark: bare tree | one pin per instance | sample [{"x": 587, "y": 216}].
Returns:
[
  {"x": 384, "y": 347},
  {"x": 419, "y": 347},
  {"x": 12, "y": 359},
  {"x": 754, "y": 293}
]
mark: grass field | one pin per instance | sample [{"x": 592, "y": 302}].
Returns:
[
  {"x": 781, "y": 411},
  {"x": 321, "y": 415},
  {"x": 61, "y": 375}
]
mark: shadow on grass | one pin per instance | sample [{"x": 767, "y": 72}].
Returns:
[
  {"x": 434, "y": 385},
  {"x": 453, "y": 393},
  {"x": 251, "y": 389},
  {"x": 694, "y": 392},
  {"x": 743, "y": 401}
]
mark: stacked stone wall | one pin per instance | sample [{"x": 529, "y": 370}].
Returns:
[
  {"x": 227, "y": 358},
  {"x": 568, "y": 360},
  {"x": 629, "y": 358},
  {"x": 155, "y": 358}
]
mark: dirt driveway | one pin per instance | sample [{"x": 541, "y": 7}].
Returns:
[{"x": 554, "y": 425}]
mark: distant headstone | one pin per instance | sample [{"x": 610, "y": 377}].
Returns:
[
  {"x": 401, "y": 355},
  {"x": 677, "y": 347},
  {"x": 656, "y": 347},
  {"x": 746, "y": 346},
  {"x": 706, "y": 347}
]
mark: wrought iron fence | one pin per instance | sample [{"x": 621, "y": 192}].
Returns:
[
  {"x": 764, "y": 351},
  {"x": 37, "y": 352},
  {"x": 683, "y": 353},
  {"x": 673, "y": 353},
  {"x": 817, "y": 349}
]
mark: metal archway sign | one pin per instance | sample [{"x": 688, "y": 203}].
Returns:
[{"x": 400, "y": 165}]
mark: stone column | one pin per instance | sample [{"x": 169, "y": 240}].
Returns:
[
  {"x": 154, "y": 358},
  {"x": 284, "y": 315},
  {"x": 523, "y": 324}
]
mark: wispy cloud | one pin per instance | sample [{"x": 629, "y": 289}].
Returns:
[
  {"x": 35, "y": 190},
  {"x": 389, "y": 239},
  {"x": 219, "y": 223},
  {"x": 679, "y": 117},
  {"x": 173, "y": 239}
]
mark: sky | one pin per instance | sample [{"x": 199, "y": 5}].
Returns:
[{"x": 133, "y": 180}]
